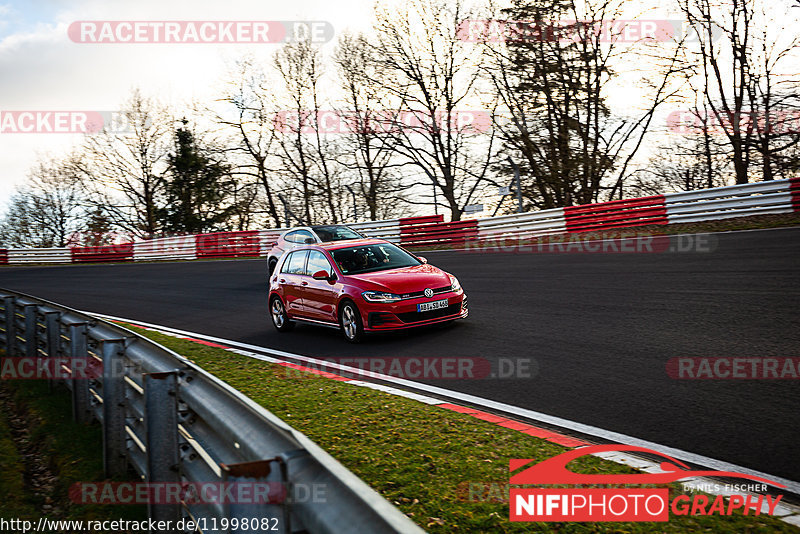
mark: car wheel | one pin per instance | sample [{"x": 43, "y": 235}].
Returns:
[
  {"x": 272, "y": 263},
  {"x": 350, "y": 322},
  {"x": 280, "y": 319}
]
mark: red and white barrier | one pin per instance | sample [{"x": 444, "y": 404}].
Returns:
[
  {"x": 774, "y": 197},
  {"x": 228, "y": 244},
  {"x": 166, "y": 248},
  {"x": 102, "y": 254}
]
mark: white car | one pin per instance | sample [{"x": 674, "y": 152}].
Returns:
[{"x": 309, "y": 235}]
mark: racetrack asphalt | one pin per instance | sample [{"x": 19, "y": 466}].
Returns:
[{"x": 598, "y": 328}]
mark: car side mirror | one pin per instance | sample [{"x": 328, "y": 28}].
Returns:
[
  {"x": 423, "y": 260},
  {"x": 309, "y": 241},
  {"x": 323, "y": 275}
]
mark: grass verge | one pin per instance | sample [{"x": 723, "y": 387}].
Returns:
[{"x": 423, "y": 459}]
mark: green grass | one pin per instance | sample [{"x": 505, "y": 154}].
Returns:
[
  {"x": 73, "y": 452},
  {"x": 421, "y": 458},
  {"x": 15, "y": 503}
]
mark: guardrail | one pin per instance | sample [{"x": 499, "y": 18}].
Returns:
[
  {"x": 762, "y": 198},
  {"x": 733, "y": 201},
  {"x": 174, "y": 423}
]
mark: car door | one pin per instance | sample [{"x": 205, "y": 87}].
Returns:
[
  {"x": 319, "y": 296},
  {"x": 291, "y": 277}
]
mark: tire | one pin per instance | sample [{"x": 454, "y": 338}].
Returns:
[
  {"x": 272, "y": 263},
  {"x": 350, "y": 322},
  {"x": 277, "y": 312}
]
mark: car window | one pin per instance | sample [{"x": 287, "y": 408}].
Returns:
[
  {"x": 295, "y": 263},
  {"x": 336, "y": 233},
  {"x": 303, "y": 235},
  {"x": 317, "y": 262},
  {"x": 370, "y": 258},
  {"x": 299, "y": 236}
]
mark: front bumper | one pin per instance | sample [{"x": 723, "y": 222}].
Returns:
[{"x": 378, "y": 317}]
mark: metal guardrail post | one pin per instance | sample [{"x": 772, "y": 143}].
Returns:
[
  {"x": 9, "y": 303},
  {"x": 161, "y": 426},
  {"x": 115, "y": 461},
  {"x": 273, "y": 515},
  {"x": 53, "y": 336},
  {"x": 81, "y": 407},
  {"x": 31, "y": 337}
]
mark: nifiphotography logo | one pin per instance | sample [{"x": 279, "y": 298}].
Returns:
[{"x": 600, "y": 504}]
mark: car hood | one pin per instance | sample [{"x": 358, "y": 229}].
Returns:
[{"x": 404, "y": 279}]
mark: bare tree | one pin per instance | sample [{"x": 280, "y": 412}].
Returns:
[
  {"x": 685, "y": 164},
  {"x": 124, "y": 169},
  {"x": 433, "y": 76},
  {"x": 740, "y": 61},
  {"x": 306, "y": 151},
  {"x": 48, "y": 210},
  {"x": 252, "y": 128},
  {"x": 367, "y": 148}
]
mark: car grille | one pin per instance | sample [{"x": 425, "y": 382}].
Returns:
[
  {"x": 416, "y": 294},
  {"x": 416, "y": 317}
]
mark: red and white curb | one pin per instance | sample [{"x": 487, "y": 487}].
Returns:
[{"x": 788, "y": 513}]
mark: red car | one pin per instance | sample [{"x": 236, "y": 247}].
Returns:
[{"x": 367, "y": 285}]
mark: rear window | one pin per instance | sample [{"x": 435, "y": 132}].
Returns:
[
  {"x": 335, "y": 233},
  {"x": 300, "y": 236}
]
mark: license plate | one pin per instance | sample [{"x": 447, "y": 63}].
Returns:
[{"x": 435, "y": 305}]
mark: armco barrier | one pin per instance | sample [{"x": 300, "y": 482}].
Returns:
[
  {"x": 175, "y": 424},
  {"x": 228, "y": 244},
  {"x": 105, "y": 253},
  {"x": 438, "y": 233},
  {"x": 267, "y": 239},
  {"x": 616, "y": 214},
  {"x": 388, "y": 229},
  {"x": 3, "y": 256},
  {"x": 794, "y": 187},
  {"x": 39, "y": 255},
  {"x": 525, "y": 225},
  {"x": 424, "y": 219},
  {"x": 761, "y": 198},
  {"x": 166, "y": 248}
]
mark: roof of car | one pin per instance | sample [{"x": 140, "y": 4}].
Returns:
[{"x": 334, "y": 245}]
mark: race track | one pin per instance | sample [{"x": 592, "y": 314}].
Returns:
[{"x": 600, "y": 327}]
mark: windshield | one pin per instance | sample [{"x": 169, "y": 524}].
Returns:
[
  {"x": 336, "y": 233},
  {"x": 371, "y": 258}
]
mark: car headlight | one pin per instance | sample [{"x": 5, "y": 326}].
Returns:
[
  {"x": 454, "y": 284},
  {"x": 379, "y": 296}
]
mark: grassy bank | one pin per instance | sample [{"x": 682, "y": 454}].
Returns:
[{"x": 426, "y": 460}]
